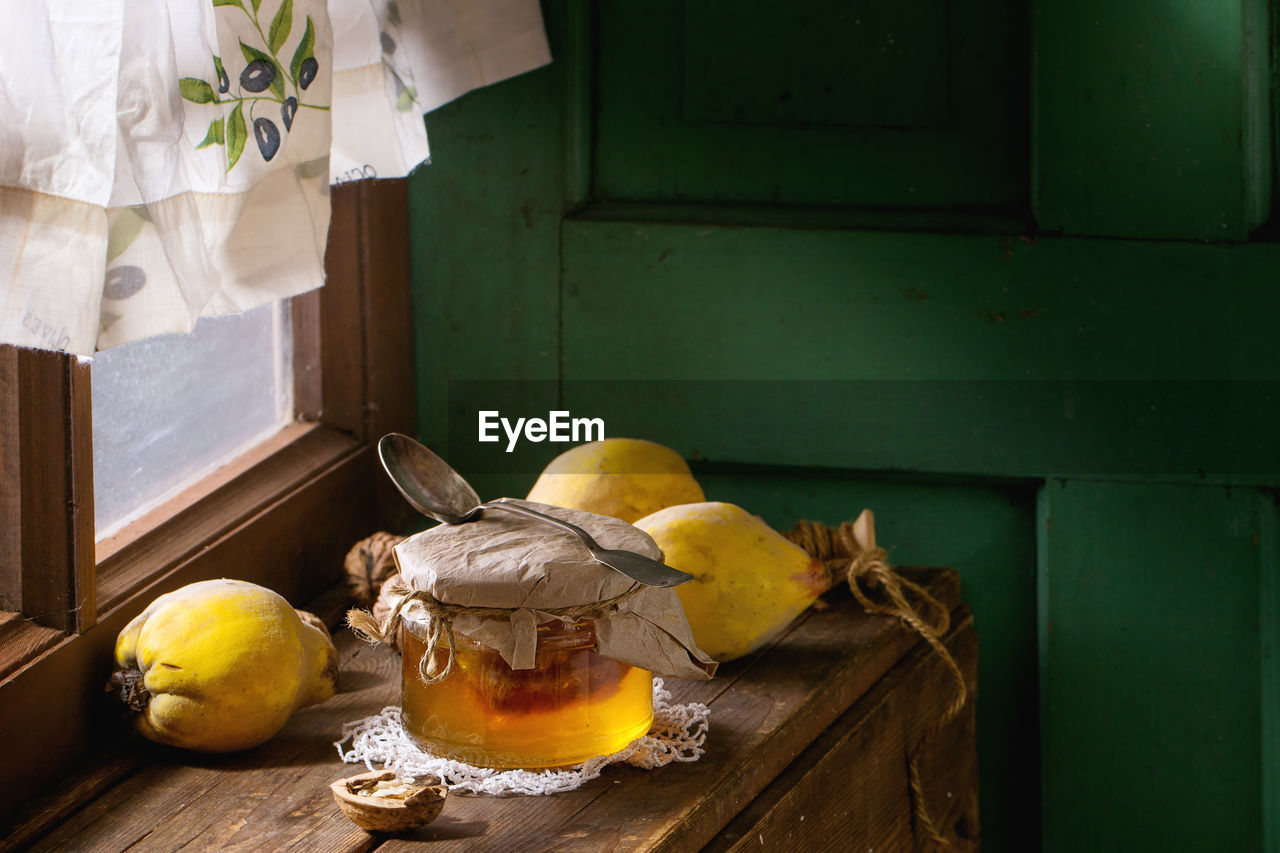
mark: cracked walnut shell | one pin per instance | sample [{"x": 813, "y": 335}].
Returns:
[{"x": 382, "y": 802}]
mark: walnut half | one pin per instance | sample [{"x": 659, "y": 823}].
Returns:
[{"x": 382, "y": 802}]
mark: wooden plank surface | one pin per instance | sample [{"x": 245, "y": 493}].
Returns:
[
  {"x": 21, "y": 639},
  {"x": 10, "y": 471},
  {"x": 817, "y": 804},
  {"x": 766, "y": 710},
  {"x": 79, "y": 425},
  {"x": 341, "y": 331},
  {"x": 363, "y": 344},
  {"x": 308, "y": 387},
  {"x": 387, "y": 317},
  {"x": 56, "y": 490},
  {"x": 366, "y": 328}
]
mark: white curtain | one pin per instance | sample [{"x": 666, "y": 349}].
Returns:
[{"x": 161, "y": 160}]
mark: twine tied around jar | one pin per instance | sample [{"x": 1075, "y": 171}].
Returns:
[
  {"x": 442, "y": 614},
  {"x": 866, "y": 569}
]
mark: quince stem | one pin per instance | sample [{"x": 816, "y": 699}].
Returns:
[{"x": 133, "y": 692}]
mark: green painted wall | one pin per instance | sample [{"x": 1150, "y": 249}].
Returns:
[
  {"x": 1150, "y": 653},
  {"x": 1151, "y": 118},
  {"x": 985, "y": 308}
]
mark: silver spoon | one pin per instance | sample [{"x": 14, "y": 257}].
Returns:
[{"x": 437, "y": 491}]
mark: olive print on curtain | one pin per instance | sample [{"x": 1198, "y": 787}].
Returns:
[{"x": 162, "y": 160}]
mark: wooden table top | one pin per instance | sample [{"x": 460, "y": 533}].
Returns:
[{"x": 765, "y": 710}]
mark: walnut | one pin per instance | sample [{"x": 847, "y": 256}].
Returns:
[
  {"x": 368, "y": 565},
  {"x": 382, "y": 802}
]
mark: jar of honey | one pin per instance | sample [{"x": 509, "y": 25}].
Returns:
[
  {"x": 520, "y": 650},
  {"x": 572, "y": 705}
]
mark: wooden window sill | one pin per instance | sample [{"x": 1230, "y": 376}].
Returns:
[
  {"x": 808, "y": 743},
  {"x": 22, "y": 640}
]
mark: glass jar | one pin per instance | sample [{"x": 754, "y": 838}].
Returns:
[{"x": 573, "y": 705}]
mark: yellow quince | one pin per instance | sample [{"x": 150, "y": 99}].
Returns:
[
  {"x": 627, "y": 478},
  {"x": 220, "y": 665},
  {"x": 749, "y": 581}
]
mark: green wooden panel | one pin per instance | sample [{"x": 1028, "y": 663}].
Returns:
[
  {"x": 704, "y": 301},
  {"x": 824, "y": 65},
  {"x": 1150, "y": 691},
  {"x": 987, "y": 534},
  {"x": 1269, "y": 629},
  {"x": 1007, "y": 357},
  {"x": 1152, "y": 118},
  {"x": 486, "y": 218},
  {"x": 913, "y": 104}
]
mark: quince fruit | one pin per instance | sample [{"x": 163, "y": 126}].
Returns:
[
  {"x": 627, "y": 478},
  {"x": 220, "y": 665},
  {"x": 749, "y": 581}
]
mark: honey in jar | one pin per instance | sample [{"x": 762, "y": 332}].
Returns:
[{"x": 572, "y": 705}]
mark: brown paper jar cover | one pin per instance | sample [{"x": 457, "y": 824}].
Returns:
[{"x": 509, "y": 561}]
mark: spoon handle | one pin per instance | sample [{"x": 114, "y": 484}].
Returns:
[{"x": 542, "y": 516}]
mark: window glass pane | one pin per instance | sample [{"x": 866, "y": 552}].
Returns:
[{"x": 172, "y": 409}]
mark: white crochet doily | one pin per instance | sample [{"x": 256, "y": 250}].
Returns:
[{"x": 677, "y": 734}]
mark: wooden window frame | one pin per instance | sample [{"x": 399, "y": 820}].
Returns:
[{"x": 282, "y": 515}]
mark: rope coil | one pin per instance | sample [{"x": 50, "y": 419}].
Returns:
[
  {"x": 867, "y": 571},
  {"x": 442, "y": 614}
]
